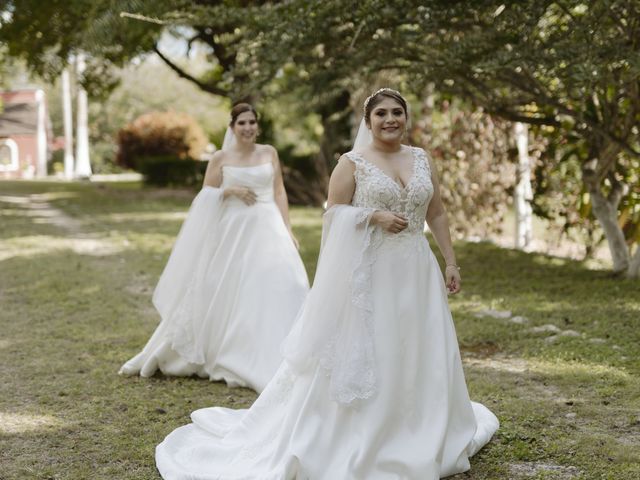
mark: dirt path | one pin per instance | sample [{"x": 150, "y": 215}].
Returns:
[
  {"x": 74, "y": 235},
  {"x": 38, "y": 207}
]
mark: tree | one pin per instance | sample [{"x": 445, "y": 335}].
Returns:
[
  {"x": 568, "y": 65},
  {"x": 47, "y": 34},
  {"x": 113, "y": 32},
  {"x": 523, "y": 192}
]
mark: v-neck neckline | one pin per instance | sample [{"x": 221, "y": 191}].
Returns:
[{"x": 400, "y": 187}]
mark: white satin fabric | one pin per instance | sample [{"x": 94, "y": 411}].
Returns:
[
  {"x": 372, "y": 386},
  {"x": 231, "y": 289}
]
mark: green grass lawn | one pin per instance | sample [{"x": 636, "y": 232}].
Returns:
[{"x": 75, "y": 293}]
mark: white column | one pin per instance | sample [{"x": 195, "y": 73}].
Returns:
[
  {"x": 83, "y": 166},
  {"x": 523, "y": 191},
  {"x": 41, "y": 135},
  {"x": 68, "y": 125}
]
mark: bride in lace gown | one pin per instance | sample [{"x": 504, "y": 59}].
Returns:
[
  {"x": 234, "y": 281},
  {"x": 372, "y": 386}
]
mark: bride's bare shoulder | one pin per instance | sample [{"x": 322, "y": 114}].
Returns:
[
  {"x": 348, "y": 158},
  {"x": 345, "y": 165},
  {"x": 218, "y": 158},
  {"x": 265, "y": 148}
]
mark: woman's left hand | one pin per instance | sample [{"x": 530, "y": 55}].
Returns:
[{"x": 452, "y": 279}]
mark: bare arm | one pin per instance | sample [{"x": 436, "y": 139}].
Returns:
[
  {"x": 213, "y": 175},
  {"x": 342, "y": 183},
  {"x": 438, "y": 222},
  {"x": 279, "y": 192}
]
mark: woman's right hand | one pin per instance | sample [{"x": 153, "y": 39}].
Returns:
[
  {"x": 389, "y": 221},
  {"x": 245, "y": 194}
]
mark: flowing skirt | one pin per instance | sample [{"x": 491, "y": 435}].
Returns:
[
  {"x": 228, "y": 302},
  {"x": 419, "y": 424}
]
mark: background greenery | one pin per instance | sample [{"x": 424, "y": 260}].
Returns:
[{"x": 568, "y": 68}]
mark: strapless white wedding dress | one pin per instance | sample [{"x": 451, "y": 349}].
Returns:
[
  {"x": 372, "y": 386},
  {"x": 230, "y": 291}
]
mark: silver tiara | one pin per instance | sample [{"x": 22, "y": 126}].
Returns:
[{"x": 384, "y": 89}]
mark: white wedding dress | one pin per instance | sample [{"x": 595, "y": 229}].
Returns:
[
  {"x": 372, "y": 386},
  {"x": 231, "y": 289}
]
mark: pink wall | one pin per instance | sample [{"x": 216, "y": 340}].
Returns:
[
  {"x": 27, "y": 144},
  {"x": 27, "y": 155},
  {"x": 19, "y": 96}
]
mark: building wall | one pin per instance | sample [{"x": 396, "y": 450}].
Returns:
[
  {"x": 27, "y": 143},
  {"x": 27, "y": 157},
  {"x": 19, "y": 96}
]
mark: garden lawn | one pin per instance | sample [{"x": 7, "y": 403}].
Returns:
[{"x": 548, "y": 344}]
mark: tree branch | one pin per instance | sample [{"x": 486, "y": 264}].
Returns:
[
  {"x": 182, "y": 74},
  {"x": 221, "y": 51},
  {"x": 544, "y": 97},
  {"x": 618, "y": 190},
  {"x": 493, "y": 106},
  {"x": 518, "y": 117}
]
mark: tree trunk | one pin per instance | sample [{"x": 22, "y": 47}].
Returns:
[
  {"x": 83, "y": 165},
  {"x": 41, "y": 136},
  {"x": 634, "y": 265},
  {"x": 68, "y": 125},
  {"x": 523, "y": 192},
  {"x": 605, "y": 208},
  {"x": 300, "y": 190},
  {"x": 336, "y": 139},
  {"x": 607, "y": 215}
]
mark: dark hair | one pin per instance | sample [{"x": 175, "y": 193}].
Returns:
[
  {"x": 371, "y": 102},
  {"x": 241, "y": 108}
]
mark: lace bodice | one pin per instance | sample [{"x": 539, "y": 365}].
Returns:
[
  {"x": 342, "y": 339},
  {"x": 375, "y": 189}
]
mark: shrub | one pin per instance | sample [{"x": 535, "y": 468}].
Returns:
[
  {"x": 164, "y": 171},
  {"x": 160, "y": 134},
  {"x": 476, "y": 166},
  {"x": 55, "y": 163}
]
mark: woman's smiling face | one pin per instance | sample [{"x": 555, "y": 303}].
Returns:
[
  {"x": 388, "y": 121},
  {"x": 246, "y": 127}
]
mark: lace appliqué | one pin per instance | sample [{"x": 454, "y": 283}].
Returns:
[
  {"x": 345, "y": 344},
  {"x": 351, "y": 364},
  {"x": 363, "y": 216},
  {"x": 376, "y": 190}
]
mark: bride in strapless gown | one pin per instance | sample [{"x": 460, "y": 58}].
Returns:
[
  {"x": 372, "y": 386},
  {"x": 234, "y": 281}
]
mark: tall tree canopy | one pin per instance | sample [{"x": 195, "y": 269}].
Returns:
[{"x": 570, "y": 66}]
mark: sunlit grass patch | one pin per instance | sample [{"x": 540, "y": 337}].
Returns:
[{"x": 11, "y": 423}]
